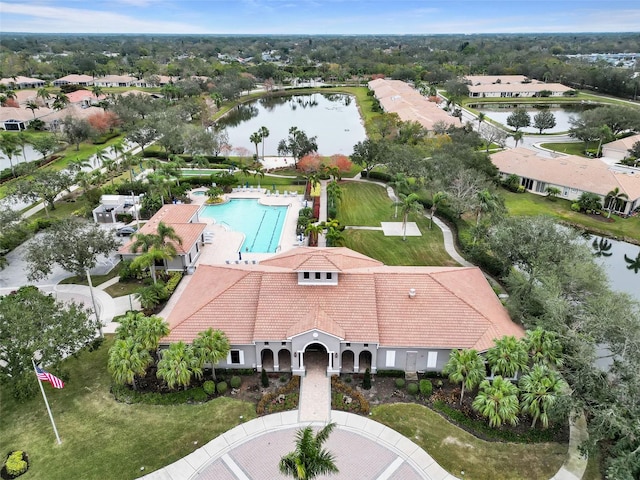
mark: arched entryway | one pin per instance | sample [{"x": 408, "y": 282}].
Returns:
[
  {"x": 284, "y": 360},
  {"x": 266, "y": 359},
  {"x": 347, "y": 361},
  {"x": 364, "y": 360},
  {"x": 316, "y": 357}
]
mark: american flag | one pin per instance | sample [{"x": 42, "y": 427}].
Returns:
[{"x": 47, "y": 377}]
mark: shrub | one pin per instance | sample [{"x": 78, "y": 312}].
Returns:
[
  {"x": 575, "y": 207},
  {"x": 16, "y": 464},
  {"x": 199, "y": 395},
  {"x": 222, "y": 387},
  {"x": 412, "y": 389},
  {"x": 390, "y": 373},
  {"x": 125, "y": 272},
  {"x": 264, "y": 379},
  {"x": 124, "y": 217},
  {"x": 400, "y": 382},
  {"x": 209, "y": 387},
  {"x": 173, "y": 282},
  {"x": 283, "y": 378},
  {"x": 265, "y": 405},
  {"x": 339, "y": 389},
  {"x": 235, "y": 382},
  {"x": 366, "y": 382},
  {"x": 426, "y": 387},
  {"x": 385, "y": 177},
  {"x": 521, "y": 189}
]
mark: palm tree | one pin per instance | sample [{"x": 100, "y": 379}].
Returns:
[
  {"x": 465, "y": 367},
  {"x": 155, "y": 254},
  {"x": 543, "y": 347},
  {"x": 100, "y": 157},
  {"x": 481, "y": 118},
  {"x": 498, "y": 401},
  {"x": 178, "y": 365},
  {"x": 149, "y": 332},
  {"x": 633, "y": 264},
  {"x": 143, "y": 242},
  {"x": 255, "y": 138},
  {"x": 77, "y": 164},
  {"x": 508, "y": 356},
  {"x": 214, "y": 194},
  {"x": 552, "y": 192},
  {"x": 33, "y": 106},
  {"x": 334, "y": 192},
  {"x": 129, "y": 324},
  {"x": 211, "y": 346},
  {"x": 264, "y": 133},
  {"x": 9, "y": 148},
  {"x": 438, "y": 198},
  {"x": 517, "y": 136},
  {"x": 408, "y": 204},
  {"x": 111, "y": 167},
  {"x": 43, "y": 94},
  {"x": 614, "y": 198},
  {"x": 126, "y": 360},
  {"x": 167, "y": 232},
  {"x": 486, "y": 203},
  {"x": 60, "y": 101},
  {"x": 312, "y": 231},
  {"x": 540, "y": 389},
  {"x": 6, "y": 95},
  {"x": 334, "y": 232},
  {"x": 96, "y": 90},
  {"x": 601, "y": 247},
  {"x": 259, "y": 172},
  {"x": 309, "y": 459}
]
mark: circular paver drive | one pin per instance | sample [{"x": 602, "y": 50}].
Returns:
[{"x": 356, "y": 456}]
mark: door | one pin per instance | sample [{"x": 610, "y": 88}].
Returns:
[{"x": 411, "y": 361}]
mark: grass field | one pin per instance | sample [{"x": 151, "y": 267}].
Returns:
[
  {"x": 102, "y": 438},
  {"x": 528, "y": 204},
  {"x": 367, "y": 204},
  {"x": 458, "y": 451},
  {"x": 570, "y": 148}
]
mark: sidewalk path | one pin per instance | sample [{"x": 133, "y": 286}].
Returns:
[{"x": 364, "y": 450}]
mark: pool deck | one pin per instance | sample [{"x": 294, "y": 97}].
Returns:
[{"x": 226, "y": 244}]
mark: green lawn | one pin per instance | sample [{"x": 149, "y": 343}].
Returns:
[
  {"x": 95, "y": 279},
  {"x": 570, "y": 148},
  {"x": 102, "y": 438},
  {"x": 528, "y": 204},
  {"x": 458, "y": 451},
  {"x": 367, "y": 204}
]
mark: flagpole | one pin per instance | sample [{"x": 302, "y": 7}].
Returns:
[{"x": 44, "y": 395}]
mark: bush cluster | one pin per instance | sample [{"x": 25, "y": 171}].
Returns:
[
  {"x": 209, "y": 387},
  {"x": 339, "y": 390},
  {"x": 235, "y": 381},
  {"x": 265, "y": 405},
  {"x": 16, "y": 463},
  {"x": 412, "y": 388},
  {"x": 222, "y": 387},
  {"x": 426, "y": 388},
  {"x": 390, "y": 373},
  {"x": 400, "y": 382},
  {"x": 172, "y": 283}
]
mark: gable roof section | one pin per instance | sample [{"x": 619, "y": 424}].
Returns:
[
  {"x": 624, "y": 144},
  {"x": 453, "y": 308},
  {"x": 313, "y": 259},
  {"x": 585, "y": 174}
]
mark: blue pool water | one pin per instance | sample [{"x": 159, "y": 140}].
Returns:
[
  {"x": 199, "y": 193},
  {"x": 262, "y": 225}
]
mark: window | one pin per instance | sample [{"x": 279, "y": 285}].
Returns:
[
  {"x": 348, "y": 344},
  {"x": 432, "y": 359},
  {"x": 329, "y": 275},
  {"x": 318, "y": 275},
  {"x": 235, "y": 357},
  {"x": 391, "y": 359},
  {"x": 283, "y": 343},
  {"x": 266, "y": 343},
  {"x": 366, "y": 345},
  {"x": 305, "y": 275}
]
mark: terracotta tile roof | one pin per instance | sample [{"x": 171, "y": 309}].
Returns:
[
  {"x": 489, "y": 79},
  {"x": 453, "y": 307},
  {"x": 178, "y": 217},
  {"x": 311, "y": 258},
  {"x": 586, "y": 174},
  {"x": 399, "y": 97},
  {"x": 518, "y": 87},
  {"x": 74, "y": 78},
  {"x": 623, "y": 144}
]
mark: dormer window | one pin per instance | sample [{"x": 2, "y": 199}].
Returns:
[
  {"x": 306, "y": 275},
  {"x": 318, "y": 275},
  {"x": 329, "y": 275},
  {"x": 317, "y": 278}
]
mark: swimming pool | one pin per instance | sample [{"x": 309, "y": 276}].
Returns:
[
  {"x": 199, "y": 193},
  {"x": 261, "y": 224}
]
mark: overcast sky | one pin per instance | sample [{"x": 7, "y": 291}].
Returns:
[{"x": 318, "y": 16}]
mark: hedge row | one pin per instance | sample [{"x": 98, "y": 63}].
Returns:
[
  {"x": 339, "y": 390},
  {"x": 266, "y": 402}
]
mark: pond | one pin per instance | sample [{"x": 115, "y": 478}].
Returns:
[
  {"x": 562, "y": 113},
  {"x": 621, "y": 261},
  {"x": 332, "y": 117},
  {"x": 29, "y": 155}
]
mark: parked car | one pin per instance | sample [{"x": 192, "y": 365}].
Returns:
[{"x": 125, "y": 231}]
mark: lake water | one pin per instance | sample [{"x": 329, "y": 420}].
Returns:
[
  {"x": 621, "y": 261},
  {"x": 500, "y": 112},
  {"x": 333, "y": 118},
  {"x": 29, "y": 153}
]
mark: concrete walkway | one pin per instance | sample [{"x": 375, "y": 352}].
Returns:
[
  {"x": 363, "y": 449},
  {"x": 315, "y": 392}
]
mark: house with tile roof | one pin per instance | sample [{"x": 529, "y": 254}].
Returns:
[
  {"x": 184, "y": 220},
  {"x": 74, "y": 79},
  {"x": 396, "y": 96},
  {"x": 619, "y": 149},
  {"x": 357, "y": 311},
  {"x": 21, "y": 82},
  {"x": 572, "y": 174},
  {"x": 511, "y": 86}
]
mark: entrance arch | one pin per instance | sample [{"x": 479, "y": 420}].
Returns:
[
  {"x": 266, "y": 357},
  {"x": 316, "y": 357},
  {"x": 364, "y": 360},
  {"x": 284, "y": 360},
  {"x": 348, "y": 360}
]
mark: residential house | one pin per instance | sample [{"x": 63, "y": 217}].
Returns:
[
  {"x": 572, "y": 174},
  {"x": 115, "y": 81},
  {"x": 399, "y": 97},
  {"x": 112, "y": 206},
  {"x": 353, "y": 309},
  {"x": 511, "y": 86},
  {"x": 619, "y": 149},
  {"x": 82, "y": 80},
  {"x": 19, "y": 82},
  {"x": 185, "y": 222}
]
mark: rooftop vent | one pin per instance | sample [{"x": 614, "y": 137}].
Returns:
[{"x": 412, "y": 292}]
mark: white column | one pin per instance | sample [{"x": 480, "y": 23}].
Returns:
[
  {"x": 356, "y": 362},
  {"x": 330, "y": 360},
  {"x": 301, "y": 357}
]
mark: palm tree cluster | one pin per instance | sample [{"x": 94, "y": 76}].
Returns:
[
  {"x": 500, "y": 400},
  {"x": 155, "y": 247},
  {"x": 136, "y": 349}
]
